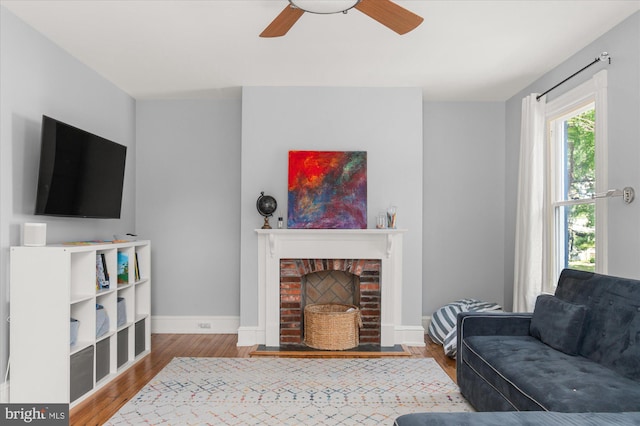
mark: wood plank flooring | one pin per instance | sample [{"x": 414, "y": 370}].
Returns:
[{"x": 100, "y": 406}]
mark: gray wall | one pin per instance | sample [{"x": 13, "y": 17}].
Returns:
[
  {"x": 36, "y": 78},
  {"x": 623, "y": 44},
  {"x": 387, "y": 123},
  {"x": 188, "y": 203},
  {"x": 463, "y": 202},
  {"x": 462, "y": 141}
]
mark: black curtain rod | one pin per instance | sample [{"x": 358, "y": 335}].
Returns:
[{"x": 602, "y": 57}]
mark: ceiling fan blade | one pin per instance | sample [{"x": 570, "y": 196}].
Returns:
[
  {"x": 390, "y": 15},
  {"x": 283, "y": 22}
]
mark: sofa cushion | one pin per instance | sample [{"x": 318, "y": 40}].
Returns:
[
  {"x": 518, "y": 419},
  {"x": 534, "y": 376},
  {"x": 612, "y": 327},
  {"x": 558, "y": 323}
]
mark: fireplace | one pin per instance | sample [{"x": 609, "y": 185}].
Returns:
[
  {"x": 335, "y": 247},
  {"x": 344, "y": 281}
]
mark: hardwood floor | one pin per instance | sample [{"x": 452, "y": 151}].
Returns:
[{"x": 98, "y": 408}]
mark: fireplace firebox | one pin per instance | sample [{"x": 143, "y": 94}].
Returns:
[{"x": 345, "y": 281}]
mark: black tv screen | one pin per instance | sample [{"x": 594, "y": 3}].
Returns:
[{"x": 81, "y": 174}]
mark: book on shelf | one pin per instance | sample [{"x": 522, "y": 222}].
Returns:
[
  {"x": 106, "y": 270},
  {"x": 123, "y": 268},
  {"x": 137, "y": 270},
  {"x": 102, "y": 274}
]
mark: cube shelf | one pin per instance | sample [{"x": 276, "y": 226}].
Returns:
[{"x": 50, "y": 285}]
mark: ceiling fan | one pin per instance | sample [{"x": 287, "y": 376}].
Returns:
[{"x": 386, "y": 12}]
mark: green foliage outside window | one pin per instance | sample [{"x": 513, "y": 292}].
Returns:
[{"x": 580, "y": 163}]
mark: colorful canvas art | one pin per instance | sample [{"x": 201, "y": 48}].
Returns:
[{"x": 327, "y": 190}]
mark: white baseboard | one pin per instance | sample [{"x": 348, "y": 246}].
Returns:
[
  {"x": 410, "y": 335},
  {"x": 407, "y": 334},
  {"x": 249, "y": 336},
  {"x": 195, "y": 324},
  {"x": 4, "y": 392},
  {"x": 426, "y": 320}
]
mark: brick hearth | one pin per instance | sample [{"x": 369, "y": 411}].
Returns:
[{"x": 292, "y": 277}]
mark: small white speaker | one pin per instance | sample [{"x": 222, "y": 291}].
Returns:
[{"x": 34, "y": 234}]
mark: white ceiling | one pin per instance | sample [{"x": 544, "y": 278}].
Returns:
[{"x": 470, "y": 50}]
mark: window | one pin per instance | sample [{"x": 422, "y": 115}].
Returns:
[
  {"x": 576, "y": 172},
  {"x": 572, "y": 144}
]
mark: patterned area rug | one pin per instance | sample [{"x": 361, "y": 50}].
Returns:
[{"x": 291, "y": 391}]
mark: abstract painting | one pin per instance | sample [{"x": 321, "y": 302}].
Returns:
[{"x": 327, "y": 190}]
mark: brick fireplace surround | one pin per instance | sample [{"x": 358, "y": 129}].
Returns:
[
  {"x": 292, "y": 295},
  {"x": 330, "y": 245}
]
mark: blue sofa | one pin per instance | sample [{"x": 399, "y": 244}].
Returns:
[{"x": 578, "y": 352}]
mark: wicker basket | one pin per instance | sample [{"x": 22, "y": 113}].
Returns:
[{"x": 332, "y": 326}]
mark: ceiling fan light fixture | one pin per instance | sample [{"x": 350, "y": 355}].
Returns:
[{"x": 324, "y": 7}]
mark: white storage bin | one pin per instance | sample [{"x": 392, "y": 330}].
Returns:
[
  {"x": 122, "y": 312},
  {"x": 102, "y": 321}
]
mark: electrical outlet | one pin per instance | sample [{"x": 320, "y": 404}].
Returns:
[{"x": 204, "y": 325}]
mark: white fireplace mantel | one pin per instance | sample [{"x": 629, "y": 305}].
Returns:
[{"x": 276, "y": 244}]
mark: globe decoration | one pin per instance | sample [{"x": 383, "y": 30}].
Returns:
[{"x": 266, "y": 205}]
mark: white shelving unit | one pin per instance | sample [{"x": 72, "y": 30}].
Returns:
[{"x": 50, "y": 285}]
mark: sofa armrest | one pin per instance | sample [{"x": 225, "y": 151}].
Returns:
[{"x": 493, "y": 324}]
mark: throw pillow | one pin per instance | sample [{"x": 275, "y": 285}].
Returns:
[{"x": 558, "y": 323}]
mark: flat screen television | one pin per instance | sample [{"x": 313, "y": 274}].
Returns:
[{"x": 81, "y": 174}]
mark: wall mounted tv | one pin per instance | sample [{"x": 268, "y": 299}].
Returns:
[{"x": 81, "y": 174}]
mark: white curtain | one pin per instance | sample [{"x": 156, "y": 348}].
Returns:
[{"x": 529, "y": 249}]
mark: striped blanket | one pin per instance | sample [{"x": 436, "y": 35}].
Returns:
[{"x": 442, "y": 328}]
